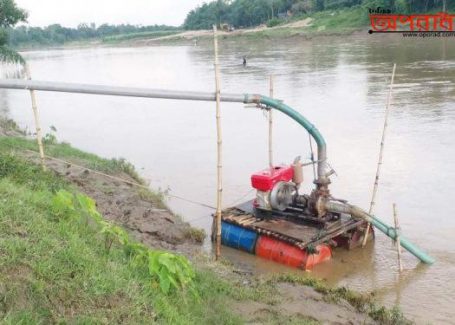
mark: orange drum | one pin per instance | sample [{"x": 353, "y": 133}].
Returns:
[{"x": 284, "y": 253}]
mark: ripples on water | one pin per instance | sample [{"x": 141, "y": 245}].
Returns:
[{"x": 340, "y": 84}]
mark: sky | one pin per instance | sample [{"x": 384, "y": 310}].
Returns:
[{"x": 70, "y": 13}]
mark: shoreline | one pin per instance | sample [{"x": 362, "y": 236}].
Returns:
[{"x": 185, "y": 40}]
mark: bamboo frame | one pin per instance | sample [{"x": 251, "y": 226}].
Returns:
[
  {"x": 219, "y": 179},
  {"x": 271, "y": 125},
  {"x": 39, "y": 138},
  {"x": 381, "y": 151},
  {"x": 397, "y": 241}
]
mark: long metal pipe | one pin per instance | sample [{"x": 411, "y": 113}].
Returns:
[
  {"x": 179, "y": 95},
  {"x": 357, "y": 212},
  {"x": 116, "y": 91}
]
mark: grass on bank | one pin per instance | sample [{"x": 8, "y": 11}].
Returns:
[
  {"x": 339, "y": 21},
  {"x": 328, "y": 22},
  {"x": 66, "y": 151},
  {"x": 57, "y": 270}
]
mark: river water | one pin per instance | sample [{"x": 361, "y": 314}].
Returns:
[{"x": 340, "y": 84}]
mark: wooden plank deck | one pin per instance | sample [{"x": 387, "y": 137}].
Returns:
[{"x": 297, "y": 232}]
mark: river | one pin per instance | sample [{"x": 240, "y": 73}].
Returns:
[{"x": 340, "y": 84}]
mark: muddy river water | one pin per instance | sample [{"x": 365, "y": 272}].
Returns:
[{"x": 340, "y": 84}]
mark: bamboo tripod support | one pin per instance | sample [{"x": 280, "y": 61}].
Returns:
[
  {"x": 219, "y": 148},
  {"x": 381, "y": 151},
  {"x": 39, "y": 138},
  {"x": 397, "y": 241},
  {"x": 271, "y": 126}
]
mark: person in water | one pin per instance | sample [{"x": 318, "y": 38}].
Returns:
[{"x": 244, "y": 61}]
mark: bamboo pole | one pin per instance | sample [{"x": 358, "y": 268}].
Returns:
[
  {"x": 219, "y": 147},
  {"x": 381, "y": 151},
  {"x": 397, "y": 240},
  {"x": 312, "y": 156},
  {"x": 271, "y": 126},
  {"x": 39, "y": 138}
]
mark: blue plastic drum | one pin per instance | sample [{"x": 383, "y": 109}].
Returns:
[{"x": 238, "y": 237}]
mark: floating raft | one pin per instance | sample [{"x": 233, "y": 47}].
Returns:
[{"x": 288, "y": 238}]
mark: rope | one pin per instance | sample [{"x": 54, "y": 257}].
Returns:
[
  {"x": 241, "y": 198},
  {"x": 122, "y": 180},
  {"x": 191, "y": 201},
  {"x": 198, "y": 218},
  {"x": 141, "y": 185},
  {"x": 138, "y": 184}
]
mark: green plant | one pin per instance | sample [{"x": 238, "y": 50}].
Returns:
[
  {"x": 113, "y": 233},
  {"x": 88, "y": 207},
  {"x": 173, "y": 271},
  {"x": 170, "y": 271},
  {"x": 138, "y": 254}
]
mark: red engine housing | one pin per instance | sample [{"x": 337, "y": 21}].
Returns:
[{"x": 266, "y": 179}]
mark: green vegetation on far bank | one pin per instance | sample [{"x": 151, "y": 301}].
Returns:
[
  {"x": 338, "y": 21},
  {"x": 57, "y": 35},
  {"x": 249, "y": 13}
]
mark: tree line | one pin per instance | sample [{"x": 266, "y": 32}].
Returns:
[
  {"x": 11, "y": 36},
  {"x": 10, "y": 15},
  {"x": 56, "y": 34},
  {"x": 247, "y": 13}
]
